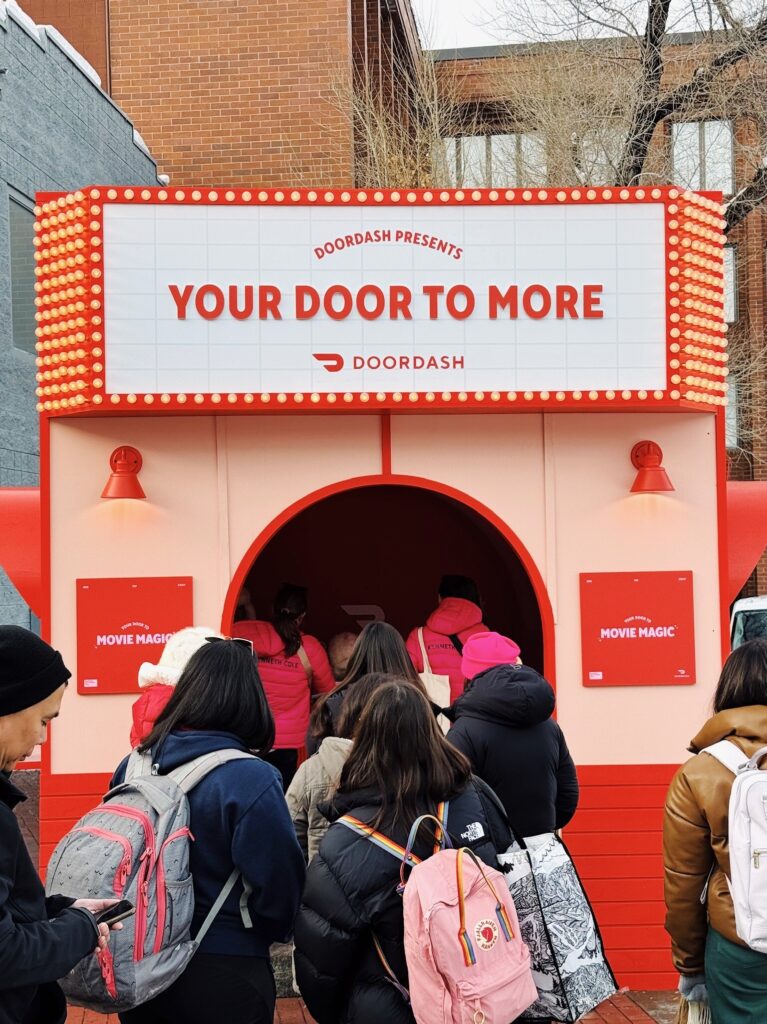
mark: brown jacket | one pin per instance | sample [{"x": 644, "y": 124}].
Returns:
[{"x": 695, "y": 837}]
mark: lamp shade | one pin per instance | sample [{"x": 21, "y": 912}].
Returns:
[
  {"x": 125, "y": 463},
  {"x": 647, "y": 458}
]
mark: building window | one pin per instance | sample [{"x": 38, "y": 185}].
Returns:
[
  {"x": 517, "y": 160},
  {"x": 731, "y": 415},
  {"x": 599, "y": 155},
  {"x": 445, "y": 161},
  {"x": 474, "y": 164},
  {"x": 21, "y": 227},
  {"x": 701, "y": 155},
  {"x": 482, "y": 161},
  {"x": 730, "y": 283}
]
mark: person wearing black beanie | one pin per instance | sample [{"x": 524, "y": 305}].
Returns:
[{"x": 41, "y": 939}]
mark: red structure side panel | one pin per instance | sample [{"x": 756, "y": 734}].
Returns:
[{"x": 616, "y": 840}]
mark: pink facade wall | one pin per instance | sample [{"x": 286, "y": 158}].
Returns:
[{"x": 559, "y": 481}]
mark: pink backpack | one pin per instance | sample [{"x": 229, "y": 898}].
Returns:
[{"x": 466, "y": 960}]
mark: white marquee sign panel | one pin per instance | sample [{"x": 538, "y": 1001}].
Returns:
[{"x": 212, "y": 298}]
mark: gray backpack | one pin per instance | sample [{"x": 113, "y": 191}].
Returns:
[{"x": 135, "y": 846}]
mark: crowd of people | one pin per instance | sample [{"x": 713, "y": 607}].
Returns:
[{"x": 354, "y": 736}]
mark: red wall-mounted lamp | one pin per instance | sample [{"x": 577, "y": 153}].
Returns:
[
  {"x": 125, "y": 463},
  {"x": 646, "y": 457}
]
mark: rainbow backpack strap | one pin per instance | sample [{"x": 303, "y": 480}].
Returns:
[
  {"x": 439, "y": 839},
  {"x": 379, "y": 839}
]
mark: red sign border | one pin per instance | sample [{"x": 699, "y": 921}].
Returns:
[{"x": 70, "y": 279}]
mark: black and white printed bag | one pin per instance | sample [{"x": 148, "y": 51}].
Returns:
[{"x": 570, "y": 969}]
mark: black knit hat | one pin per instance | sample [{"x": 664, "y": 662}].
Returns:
[{"x": 30, "y": 670}]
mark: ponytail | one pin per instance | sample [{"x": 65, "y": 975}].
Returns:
[{"x": 290, "y": 606}]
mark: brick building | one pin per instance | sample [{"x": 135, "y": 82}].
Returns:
[
  {"x": 58, "y": 130},
  {"x": 237, "y": 92}
]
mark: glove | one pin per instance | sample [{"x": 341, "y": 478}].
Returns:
[{"x": 693, "y": 988}]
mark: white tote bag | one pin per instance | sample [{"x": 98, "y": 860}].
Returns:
[
  {"x": 570, "y": 969},
  {"x": 437, "y": 687}
]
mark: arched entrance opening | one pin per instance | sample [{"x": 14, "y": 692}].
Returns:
[{"x": 372, "y": 549}]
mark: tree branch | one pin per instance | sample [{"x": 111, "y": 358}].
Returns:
[
  {"x": 696, "y": 90},
  {"x": 728, "y": 18},
  {"x": 643, "y": 124},
  {"x": 651, "y": 110},
  {"x": 749, "y": 197}
]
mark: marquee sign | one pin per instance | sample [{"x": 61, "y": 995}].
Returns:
[{"x": 200, "y": 299}]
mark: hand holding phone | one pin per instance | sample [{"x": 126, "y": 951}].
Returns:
[{"x": 117, "y": 912}]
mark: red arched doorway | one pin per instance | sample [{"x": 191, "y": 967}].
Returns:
[{"x": 373, "y": 547}]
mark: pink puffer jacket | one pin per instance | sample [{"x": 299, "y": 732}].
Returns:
[
  {"x": 287, "y": 688},
  {"x": 454, "y": 615}
]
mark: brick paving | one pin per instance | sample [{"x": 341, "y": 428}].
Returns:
[
  {"x": 622, "y": 1009},
  {"x": 289, "y": 1011}
]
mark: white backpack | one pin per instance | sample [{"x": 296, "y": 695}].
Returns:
[{"x": 748, "y": 841}]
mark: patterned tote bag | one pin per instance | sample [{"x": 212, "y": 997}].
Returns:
[{"x": 570, "y": 969}]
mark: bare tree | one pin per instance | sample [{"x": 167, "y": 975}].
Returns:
[
  {"x": 404, "y": 137},
  {"x": 717, "y": 71}
]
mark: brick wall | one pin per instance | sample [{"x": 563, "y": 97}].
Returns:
[
  {"x": 58, "y": 131},
  {"x": 238, "y": 92},
  {"x": 83, "y": 22}
]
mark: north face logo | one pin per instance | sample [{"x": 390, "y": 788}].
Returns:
[{"x": 473, "y": 832}]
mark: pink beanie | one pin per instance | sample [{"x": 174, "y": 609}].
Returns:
[{"x": 486, "y": 650}]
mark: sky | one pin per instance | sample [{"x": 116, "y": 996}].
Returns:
[{"x": 449, "y": 24}]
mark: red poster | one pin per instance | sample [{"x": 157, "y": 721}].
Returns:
[
  {"x": 637, "y": 629},
  {"x": 122, "y": 622}
]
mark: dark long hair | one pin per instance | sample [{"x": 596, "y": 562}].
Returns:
[
  {"x": 400, "y": 752},
  {"x": 290, "y": 603},
  {"x": 379, "y": 648},
  {"x": 358, "y": 698},
  {"x": 219, "y": 690},
  {"x": 743, "y": 681}
]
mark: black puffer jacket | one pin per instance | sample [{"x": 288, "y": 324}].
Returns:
[
  {"x": 351, "y": 893},
  {"x": 40, "y": 939},
  {"x": 504, "y": 726}
]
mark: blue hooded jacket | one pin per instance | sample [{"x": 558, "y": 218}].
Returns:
[{"x": 238, "y": 816}]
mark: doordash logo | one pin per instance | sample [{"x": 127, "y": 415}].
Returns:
[{"x": 333, "y": 362}]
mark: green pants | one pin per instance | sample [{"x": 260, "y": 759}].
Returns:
[{"x": 736, "y": 979}]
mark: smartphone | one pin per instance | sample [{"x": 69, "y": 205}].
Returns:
[{"x": 116, "y": 913}]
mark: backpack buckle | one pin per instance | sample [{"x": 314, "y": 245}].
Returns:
[{"x": 155, "y": 769}]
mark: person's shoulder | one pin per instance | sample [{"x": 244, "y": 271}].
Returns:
[
  {"x": 467, "y": 802},
  {"x": 9, "y": 825},
  {"x": 251, "y": 774},
  {"x": 360, "y": 864},
  {"x": 120, "y": 770},
  {"x": 700, "y": 769},
  {"x": 312, "y": 645}
]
